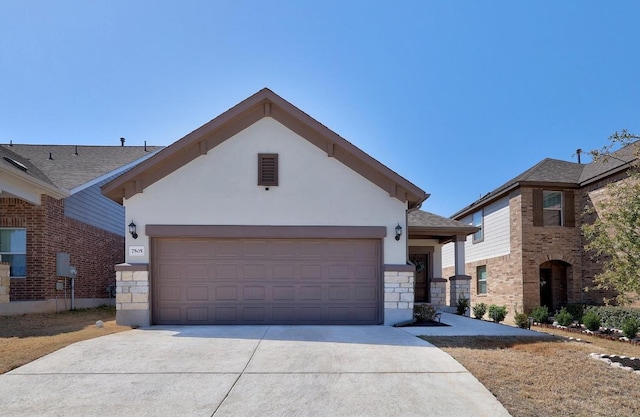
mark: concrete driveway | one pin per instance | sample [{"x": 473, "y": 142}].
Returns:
[{"x": 248, "y": 371}]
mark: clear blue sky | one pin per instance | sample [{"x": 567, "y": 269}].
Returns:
[{"x": 456, "y": 96}]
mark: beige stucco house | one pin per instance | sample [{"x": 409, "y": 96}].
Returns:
[{"x": 265, "y": 216}]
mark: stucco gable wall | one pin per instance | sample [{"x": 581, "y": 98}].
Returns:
[{"x": 220, "y": 188}]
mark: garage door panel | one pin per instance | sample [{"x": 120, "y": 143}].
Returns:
[
  {"x": 170, "y": 293},
  {"x": 197, "y": 294},
  {"x": 283, "y": 272},
  {"x": 227, "y": 293},
  {"x": 196, "y": 271},
  {"x": 255, "y": 271},
  {"x": 281, "y": 293},
  {"x": 226, "y": 271},
  {"x": 311, "y": 293},
  {"x": 226, "y": 314},
  {"x": 195, "y": 314},
  {"x": 364, "y": 272},
  {"x": 365, "y": 293},
  {"x": 267, "y": 281},
  {"x": 256, "y": 293},
  {"x": 337, "y": 293},
  {"x": 337, "y": 272},
  {"x": 311, "y": 272}
]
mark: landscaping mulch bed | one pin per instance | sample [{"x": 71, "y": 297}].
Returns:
[
  {"x": 624, "y": 361},
  {"x": 428, "y": 323}
]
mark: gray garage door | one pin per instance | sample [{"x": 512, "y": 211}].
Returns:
[{"x": 266, "y": 281}]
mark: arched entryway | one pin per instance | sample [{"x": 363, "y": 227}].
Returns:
[{"x": 553, "y": 284}]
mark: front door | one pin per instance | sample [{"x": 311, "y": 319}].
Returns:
[
  {"x": 421, "y": 261},
  {"x": 546, "y": 292}
]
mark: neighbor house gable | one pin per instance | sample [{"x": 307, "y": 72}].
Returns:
[{"x": 263, "y": 104}]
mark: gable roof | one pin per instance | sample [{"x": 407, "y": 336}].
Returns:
[
  {"x": 70, "y": 166},
  {"x": 265, "y": 103},
  {"x": 423, "y": 222},
  {"x": 556, "y": 173}
]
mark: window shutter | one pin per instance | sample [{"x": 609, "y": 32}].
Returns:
[
  {"x": 268, "y": 169},
  {"x": 538, "y": 219},
  {"x": 569, "y": 209}
]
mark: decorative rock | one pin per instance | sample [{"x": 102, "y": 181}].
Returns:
[{"x": 99, "y": 324}]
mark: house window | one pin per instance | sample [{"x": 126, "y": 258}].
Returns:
[
  {"x": 477, "y": 220},
  {"x": 268, "y": 169},
  {"x": 13, "y": 250},
  {"x": 481, "y": 274},
  {"x": 552, "y": 208}
]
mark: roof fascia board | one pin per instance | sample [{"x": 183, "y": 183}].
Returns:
[
  {"x": 50, "y": 190},
  {"x": 443, "y": 231},
  {"x": 478, "y": 204}
]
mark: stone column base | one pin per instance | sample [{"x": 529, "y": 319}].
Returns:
[{"x": 459, "y": 286}]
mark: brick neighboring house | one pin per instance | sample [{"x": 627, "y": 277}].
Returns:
[
  {"x": 529, "y": 249},
  {"x": 50, "y": 202}
]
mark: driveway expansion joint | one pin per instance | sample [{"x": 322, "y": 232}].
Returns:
[{"x": 242, "y": 372}]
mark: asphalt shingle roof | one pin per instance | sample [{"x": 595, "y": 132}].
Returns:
[
  {"x": 560, "y": 172},
  {"x": 6, "y": 156},
  {"x": 66, "y": 169},
  {"x": 419, "y": 218}
]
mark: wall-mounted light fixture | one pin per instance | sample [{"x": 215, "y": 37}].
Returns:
[
  {"x": 398, "y": 231},
  {"x": 132, "y": 230}
]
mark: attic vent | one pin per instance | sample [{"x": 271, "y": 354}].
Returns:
[
  {"x": 268, "y": 169},
  {"x": 16, "y": 163}
]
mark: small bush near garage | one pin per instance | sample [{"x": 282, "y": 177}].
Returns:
[
  {"x": 424, "y": 312},
  {"x": 479, "y": 310},
  {"x": 630, "y": 327},
  {"x": 497, "y": 313},
  {"x": 564, "y": 318},
  {"x": 591, "y": 320},
  {"x": 540, "y": 314}
]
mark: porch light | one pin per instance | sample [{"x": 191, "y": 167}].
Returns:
[
  {"x": 132, "y": 230},
  {"x": 398, "y": 231}
]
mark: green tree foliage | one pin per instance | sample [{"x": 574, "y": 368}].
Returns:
[{"x": 614, "y": 237}]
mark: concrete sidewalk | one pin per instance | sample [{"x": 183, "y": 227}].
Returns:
[
  {"x": 466, "y": 326},
  {"x": 248, "y": 371}
]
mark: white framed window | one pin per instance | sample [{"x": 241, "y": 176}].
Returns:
[
  {"x": 13, "y": 249},
  {"x": 481, "y": 276},
  {"x": 477, "y": 220},
  {"x": 552, "y": 208}
]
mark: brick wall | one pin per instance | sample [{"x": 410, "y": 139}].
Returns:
[
  {"x": 93, "y": 251},
  {"x": 548, "y": 243},
  {"x": 594, "y": 195}
]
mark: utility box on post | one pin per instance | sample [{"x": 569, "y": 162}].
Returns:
[{"x": 63, "y": 265}]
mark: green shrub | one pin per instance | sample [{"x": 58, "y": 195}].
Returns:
[
  {"x": 591, "y": 320},
  {"x": 564, "y": 318},
  {"x": 479, "y": 310},
  {"x": 540, "y": 314},
  {"x": 614, "y": 317},
  {"x": 497, "y": 314},
  {"x": 522, "y": 320},
  {"x": 424, "y": 312},
  {"x": 462, "y": 305},
  {"x": 630, "y": 327},
  {"x": 576, "y": 311}
]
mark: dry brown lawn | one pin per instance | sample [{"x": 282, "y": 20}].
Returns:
[
  {"x": 28, "y": 337},
  {"x": 549, "y": 377}
]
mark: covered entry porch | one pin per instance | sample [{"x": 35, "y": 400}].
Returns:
[{"x": 428, "y": 232}]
